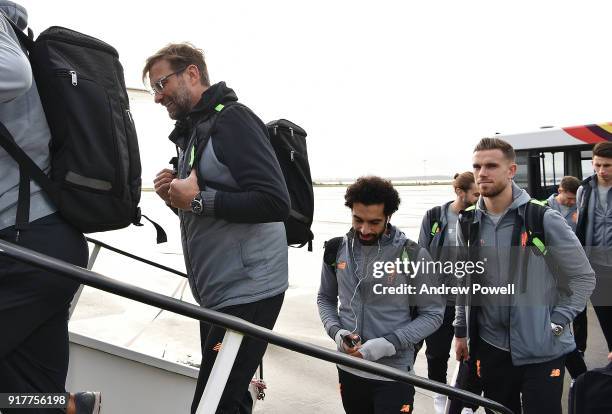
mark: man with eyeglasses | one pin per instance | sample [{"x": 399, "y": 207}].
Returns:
[{"x": 230, "y": 195}]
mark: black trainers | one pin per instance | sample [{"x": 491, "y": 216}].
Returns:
[{"x": 87, "y": 402}]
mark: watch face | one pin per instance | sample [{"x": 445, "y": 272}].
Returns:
[{"x": 196, "y": 206}]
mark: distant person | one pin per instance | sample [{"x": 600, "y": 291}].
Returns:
[
  {"x": 594, "y": 229},
  {"x": 438, "y": 236},
  {"x": 565, "y": 203},
  {"x": 34, "y": 303},
  {"x": 365, "y": 324},
  {"x": 519, "y": 340},
  {"x": 231, "y": 199}
]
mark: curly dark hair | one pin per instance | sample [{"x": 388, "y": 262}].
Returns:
[{"x": 373, "y": 190}]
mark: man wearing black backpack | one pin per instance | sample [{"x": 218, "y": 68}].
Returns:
[
  {"x": 372, "y": 322},
  {"x": 231, "y": 198},
  {"x": 594, "y": 229},
  {"x": 519, "y": 340},
  {"x": 34, "y": 303},
  {"x": 439, "y": 238}
]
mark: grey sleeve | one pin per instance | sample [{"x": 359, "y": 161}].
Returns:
[
  {"x": 565, "y": 249},
  {"x": 327, "y": 301},
  {"x": 423, "y": 234},
  {"x": 15, "y": 71},
  {"x": 430, "y": 310}
]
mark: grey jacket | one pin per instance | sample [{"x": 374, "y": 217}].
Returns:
[
  {"x": 22, "y": 113},
  {"x": 522, "y": 326},
  {"x": 570, "y": 217},
  {"x": 598, "y": 224},
  {"x": 236, "y": 252},
  {"x": 376, "y": 315}
]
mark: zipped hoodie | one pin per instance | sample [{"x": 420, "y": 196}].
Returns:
[
  {"x": 377, "y": 315},
  {"x": 22, "y": 114},
  {"x": 236, "y": 251},
  {"x": 597, "y": 238},
  {"x": 570, "y": 217},
  {"x": 522, "y": 325}
]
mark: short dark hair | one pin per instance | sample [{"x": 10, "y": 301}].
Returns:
[
  {"x": 603, "y": 149},
  {"x": 179, "y": 55},
  {"x": 464, "y": 180},
  {"x": 373, "y": 190},
  {"x": 496, "y": 143},
  {"x": 570, "y": 184}
]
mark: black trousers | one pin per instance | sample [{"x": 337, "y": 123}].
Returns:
[
  {"x": 236, "y": 398},
  {"x": 34, "y": 307},
  {"x": 438, "y": 347},
  {"x": 368, "y": 396},
  {"x": 602, "y": 302},
  {"x": 538, "y": 386},
  {"x": 467, "y": 379}
]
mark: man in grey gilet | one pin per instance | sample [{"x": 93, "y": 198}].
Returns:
[{"x": 231, "y": 199}]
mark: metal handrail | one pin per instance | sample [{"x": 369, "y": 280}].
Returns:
[{"x": 233, "y": 323}]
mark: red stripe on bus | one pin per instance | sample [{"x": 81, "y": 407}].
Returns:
[{"x": 584, "y": 134}]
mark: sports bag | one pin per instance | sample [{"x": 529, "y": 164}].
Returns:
[
  {"x": 95, "y": 178},
  {"x": 289, "y": 143},
  {"x": 590, "y": 392}
]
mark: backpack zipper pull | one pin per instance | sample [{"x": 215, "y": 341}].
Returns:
[
  {"x": 292, "y": 156},
  {"x": 73, "y": 75},
  {"x": 17, "y": 237}
]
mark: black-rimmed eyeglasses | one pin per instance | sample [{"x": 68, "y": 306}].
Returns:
[{"x": 158, "y": 86}]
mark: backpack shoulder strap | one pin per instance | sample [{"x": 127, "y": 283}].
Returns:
[
  {"x": 534, "y": 225},
  {"x": 434, "y": 222},
  {"x": 536, "y": 237},
  {"x": 197, "y": 150},
  {"x": 330, "y": 254},
  {"x": 467, "y": 226}
]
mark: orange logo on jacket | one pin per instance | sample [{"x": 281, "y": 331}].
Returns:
[
  {"x": 524, "y": 238},
  {"x": 341, "y": 265},
  {"x": 555, "y": 373},
  {"x": 405, "y": 408}
]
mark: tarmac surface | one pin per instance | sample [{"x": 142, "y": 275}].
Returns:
[{"x": 296, "y": 383}]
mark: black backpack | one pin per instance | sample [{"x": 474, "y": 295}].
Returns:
[
  {"x": 590, "y": 392},
  {"x": 95, "y": 163},
  {"x": 289, "y": 143}
]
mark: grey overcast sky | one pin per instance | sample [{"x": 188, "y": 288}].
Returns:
[{"x": 378, "y": 86}]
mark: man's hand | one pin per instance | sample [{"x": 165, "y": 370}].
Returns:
[
  {"x": 161, "y": 184},
  {"x": 375, "y": 349},
  {"x": 461, "y": 349},
  {"x": 182, "y": 191},
  {"x": 342, "y": 346}
]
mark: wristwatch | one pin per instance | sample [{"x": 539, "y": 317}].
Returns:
[
  {"x": 557, "y": 330},
  {"x": 196, "y": 205}
]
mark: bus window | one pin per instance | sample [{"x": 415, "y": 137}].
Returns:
[
  {"x": 521, "y": 177},
  {"x": 586, "y": 158},
  {"x": 551, "y": 170}
]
